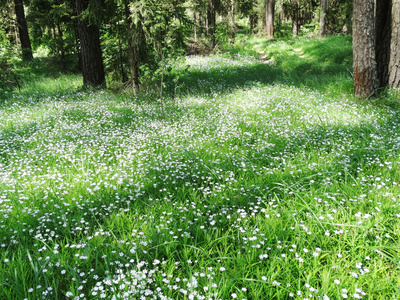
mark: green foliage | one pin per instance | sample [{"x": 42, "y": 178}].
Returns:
[
  {"x": 162, "y": 31},
  {"x": 8, "y": 55},
  {"x": 338, "y": 16},
  {"x": 224, "y": 35}
]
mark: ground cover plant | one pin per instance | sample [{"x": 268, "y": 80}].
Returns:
[{"x": 261, "y": 180}]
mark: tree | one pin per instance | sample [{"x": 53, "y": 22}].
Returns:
[
  {"x": 23, "y": 30},
  {"x": 394, "y": 64},
  {"x": 89, "y": 37},
  {"x": 322, "y": 20},
  {"x": 383, "y": 30},
  {"x": 269, "y": 17},
  {"x": 211, "y": 20},
  {"x": 364, "y": 63}
]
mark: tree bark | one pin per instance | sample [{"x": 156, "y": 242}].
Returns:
[
  {"x": 383, "y": 29},
  {"x": 89, "y": 36},
  {"x": 62, "y": 49},
  {"x": 269, "y": 18},
  {"x": 211, "y": 21},
  {"x": 133, "y": 50},
  {"x": 322, "y": 21},
  {"x": 23, "y": 30},
  {"x": 394, "y": 65},
  {"x": 364, "y": 63},
  {"x": 295, "y": 19}
]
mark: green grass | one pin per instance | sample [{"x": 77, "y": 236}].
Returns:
[{"x": 263, "y": 181}]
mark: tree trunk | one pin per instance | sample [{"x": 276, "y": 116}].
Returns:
[
  {"x": 234, "y": 28},
  {"x": 394, "y": 65},
  {"x": 133, "y": 50},
  {"x": 322, "y": 21},
  {"x": 269, "y": 18},
  {"x": 211, "y": 21},
  {"x": 23, "y": 31},
  {"x": 62, "y": 49},
  {"x": 364, "y": 64},
  {"x": 89, "y": 36},
  {"x": 383, "y": 29},
  {"x": 295, "y": 19},
  {"x": 195, "y": 26}
]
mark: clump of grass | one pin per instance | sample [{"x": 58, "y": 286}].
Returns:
[{"x": 250, "y": 188}]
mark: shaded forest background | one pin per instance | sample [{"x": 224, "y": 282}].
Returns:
[{"x": 130, "y": 42}]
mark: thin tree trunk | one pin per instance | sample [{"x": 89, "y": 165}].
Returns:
[
  {"x": 195, "y": 26},
  {"x": 60, "y": 36},
  {"x": 133, "y": 50},
  {"x": 269, "y": 18},
  {"x": 121, "y": 61},
  {"x": 23, "y": 30},
  {"x": 322, "y": 21},
  {"x": 364, "y": 63},
  {"x": 77, "y": 45},
  {"x": 211, "y": 21},
  {"x": 394, "y": 65},
  {"x": 234, "y": 28},
  {"x": 295, "y": 19},
  {"x": 89, "y": 36}
]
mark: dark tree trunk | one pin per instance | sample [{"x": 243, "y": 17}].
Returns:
[
  {"x": 364, "y": 63},
  {"x": 211, "y": 21},
  {"x": 23, "y": 31},
  {"x": 383, "y": 29},
  {"x": 322, "y": 21},
  {"x": 394, "y": 64},
  {"x": 62, "y": 49},
  {"x": 89, "y": 36},
  {"x": 295, "y": 19},
  {"x": 269, "y": 18}
]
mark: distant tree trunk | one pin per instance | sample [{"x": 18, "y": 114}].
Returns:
[
  {"x": 364, "y": 64},
  {"x": 62, "y": 49},
  {"x": 269, "y": 18},
  {"x": 383, "y": 29},
  {"x": 322, "y": 21},
  {"x": 195, "y": 26},
  {"x": 295, "y": 19},
  {"x": 211, "y": 21},
  {"x": 23, "y": 30},
  {"x": 133, "y": 50},
  {"x": 121, "y": 61},
  {"x": 234, "y": 27},
  {"x": 394, "y": 65},
  {"x": 89, "y": 36}
]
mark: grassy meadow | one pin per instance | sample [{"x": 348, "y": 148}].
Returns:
[{"x": 261, "y": 178}]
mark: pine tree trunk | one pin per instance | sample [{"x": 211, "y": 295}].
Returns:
[
  {"x": 133, "y": 50},
  {"x": 269, "y": 18},
  {"x": 322, "y": 21},
  {"x": 211, "y": 21},
  {"x": 62, "y": 49},
  {"x": 364, "y": 64},
  {"x": 394, "y": 65},
  {"x": 383, "y": 29},
  {"x": 89, "y": 37},
  {"x": 23, "y": 30},
  {"x": 295, "y": 19}
]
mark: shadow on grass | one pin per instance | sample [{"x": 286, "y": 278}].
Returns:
[{"x": 318, "y": 64}]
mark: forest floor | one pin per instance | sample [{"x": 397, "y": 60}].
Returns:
[{"x": 255, "y": 181}]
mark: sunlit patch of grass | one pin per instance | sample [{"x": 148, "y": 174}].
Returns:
[{"x": 255, "y": 184}]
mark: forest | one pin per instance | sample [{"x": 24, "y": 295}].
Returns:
[{"x": 199, "y": 149}]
